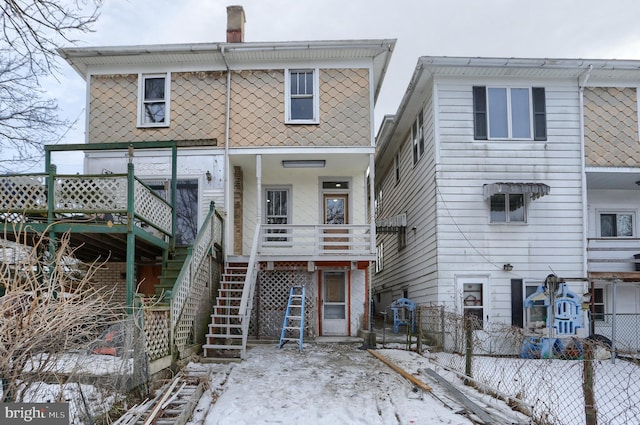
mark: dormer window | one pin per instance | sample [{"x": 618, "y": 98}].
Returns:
[
  {"x": 302, "y": 103},
  {"x": 153, "y": 100}
]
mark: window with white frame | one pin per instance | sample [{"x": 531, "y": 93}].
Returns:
[
  {"x": 277, "y": 212},
  {"x": 507, "y": 208},
  {"x": 417, "y": 138},
  {"x": 537, "y": 312},
  {"x": 379, "y": 257},
  {"x": 616, "y": 224},
  {"x": 153, "y": 100},
  {"x": 302, "y": 103},
  {"x": 509, "y": 113}
]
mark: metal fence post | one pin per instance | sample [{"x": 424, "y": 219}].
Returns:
[
  {"x": 588, "y": 384},
  {"x": 468, "y": 327}
]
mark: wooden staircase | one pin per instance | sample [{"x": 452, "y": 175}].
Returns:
[
  {"x": 170, "y": 271},
  {"x": 225, "y": 339}
]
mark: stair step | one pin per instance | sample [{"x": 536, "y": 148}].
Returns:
[
  {"x": 223, "y": 336},
  {"x": 225, "y": 325},
  {"x": 221, "y": 347}
]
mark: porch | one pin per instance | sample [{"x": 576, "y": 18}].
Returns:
[{"x": 609, "y": 258}]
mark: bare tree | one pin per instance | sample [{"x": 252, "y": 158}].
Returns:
[
  {"x": 32, "y": 30},
  {"x": 49, "y": 309}
]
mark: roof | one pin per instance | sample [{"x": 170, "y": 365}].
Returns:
[
  {"x": 201, "y": 56},
  {"x": 584, "y": 71}
]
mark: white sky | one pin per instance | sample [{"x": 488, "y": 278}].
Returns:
[{"x": 504, "y": 28}]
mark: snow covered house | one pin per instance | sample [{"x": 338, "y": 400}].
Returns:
[
  {"x": 496, "y": 172},
  {"x": 278, "y": 135}
]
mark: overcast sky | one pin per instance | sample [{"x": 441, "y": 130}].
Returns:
[{"x": 603, "y": 29}]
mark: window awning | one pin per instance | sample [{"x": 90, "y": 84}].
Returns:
[
  {"x": 534, "y": 190},
  {"x": 391, "y": 224}
]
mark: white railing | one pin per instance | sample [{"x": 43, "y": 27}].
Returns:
[
  {"x": 246, "y": 303},
  {"x": 315, "y": 240},
  {"x": 612, "y": 254}
]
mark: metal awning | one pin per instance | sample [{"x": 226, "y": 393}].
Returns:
[
  {"x": 534, "y": 190},
  {"x": 391, "y": 224}
]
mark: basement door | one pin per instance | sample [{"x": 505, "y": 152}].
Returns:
[{"x": 333, "y": 303}]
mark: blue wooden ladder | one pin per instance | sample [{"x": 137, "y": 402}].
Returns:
[{"x": 294, "y": 317}]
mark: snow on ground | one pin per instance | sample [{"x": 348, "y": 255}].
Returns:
[{"x": 331, "y": 384}]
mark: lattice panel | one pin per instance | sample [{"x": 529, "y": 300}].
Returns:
[
  {"x": 156, "y": 330},
  {"x": 270, "y": 302},
  {"x": 152, "y": 207},
  {"x": 184, "y": 329},
  {"x": 76, "y": 194},
  {"x": 26, "y": 192}
]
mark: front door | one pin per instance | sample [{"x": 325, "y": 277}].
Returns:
[
  {"x": 334, "y": 303},
  {"x": 336, "y": 213}
]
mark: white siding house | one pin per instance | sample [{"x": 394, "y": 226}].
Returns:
[{"x": 504, "y": 171}]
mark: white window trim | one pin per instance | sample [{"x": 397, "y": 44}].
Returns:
[
  {"x": 167, "y": 99},
  {"x": 509, "y": 119},
  {"x": 633, "y": 214},
  {"x": 316, "y": 96},
  {"x": 486, "y": 302}
]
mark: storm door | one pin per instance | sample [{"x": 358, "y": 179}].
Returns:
[{"x": 334, "y": 303}]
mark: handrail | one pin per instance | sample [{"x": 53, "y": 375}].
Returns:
[{"x": 248, "y": 289}]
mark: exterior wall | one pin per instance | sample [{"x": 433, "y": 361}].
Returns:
[
  {"x": 412, "y": 267},
  {"x": 197, "y": 108},
  {"x": 357, "y": 299},
  {"x": 112, "y": 275},
  {"x": 611, "y": 127},
  {"x": 468, "y": 244},
  {"x": 306, "y": 202},
  {"x": 258, "y": 110}
]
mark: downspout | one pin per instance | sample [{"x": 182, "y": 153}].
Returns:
[
  {"x": 227, "y": 181},
  {"x": 585, "y": 211}
]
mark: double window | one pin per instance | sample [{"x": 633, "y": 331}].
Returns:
[
  {"x": 508, "y": 208},
  {"x": 616, "y": 225},
  {"x": 302, "y": 103},
  {"x": 153, "y": 100},
  {"x": 509, "y": 113}
]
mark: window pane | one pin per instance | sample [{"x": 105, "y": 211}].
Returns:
[
  {"x": 520, "y": 114},
  {"x": 607, "y": 225},
  {"x": 498, "y": 212},
  {"x": 308, "y": 77},
  {"x": 153, "y": 112},
  {"x": 516, "y": 207},
  {"x": 498, "y": 113},
  {"x": 624, "y": 225},
  {"x": 302, "y": 109},
  {"x": 154, "y": 89}
]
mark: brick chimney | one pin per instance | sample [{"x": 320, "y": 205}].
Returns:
[{"x": 235, "y": 24}]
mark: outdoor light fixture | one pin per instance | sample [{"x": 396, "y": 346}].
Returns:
[
  {"x": 208, "y": 174},
  {"x": 304, "y": 163},
  {"x": 507, "y": 267}
]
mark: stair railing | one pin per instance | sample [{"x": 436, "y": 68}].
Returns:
[
  {"x": 246, "y": 303},
  {"x": 189, "y": 288}
]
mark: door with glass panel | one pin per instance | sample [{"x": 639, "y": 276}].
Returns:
[
  {"x": 186, "y": 206},
  {"x": 334, "y": 303}
]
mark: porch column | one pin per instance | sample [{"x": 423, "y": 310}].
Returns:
[
  {"x": 131, "y": 238},
  {"x": 259, "y": 189}
]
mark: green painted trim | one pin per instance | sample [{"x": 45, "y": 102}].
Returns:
[{"x": 136, "y": 145}]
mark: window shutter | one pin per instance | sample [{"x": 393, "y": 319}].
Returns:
[
  {"x": 517, "y": 303},
  {"x": 539, "y": 114},
  {"x": 480, "y": 113}
]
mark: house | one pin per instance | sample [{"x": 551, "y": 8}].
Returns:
[
  {"x": 497, "y": 172},
  {"x": 278, "y": 136}
]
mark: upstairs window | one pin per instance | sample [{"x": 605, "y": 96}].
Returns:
[
  {"x": 154, "y": 101},
  {"x": 302, "y": 102},
  {"x": 507, "y": 208},
  {"x": 616, "y": 225},
  {"x": 509, "y": 113},
  {"x": 417, "y": 138}
]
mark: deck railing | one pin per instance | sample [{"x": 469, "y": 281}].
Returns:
[
  {"x": 315, "y": 240},
  {"x": 28, "y": 197},
  {"x": 613, "y": 254}
]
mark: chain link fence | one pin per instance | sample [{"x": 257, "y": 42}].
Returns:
[{"x": 570, "y": 381}]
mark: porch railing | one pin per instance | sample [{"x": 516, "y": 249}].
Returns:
[
  {"x": 193, "y": 279},
  {"x": 315, "y": 240},
  {"x": 613, "y": 254}
]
